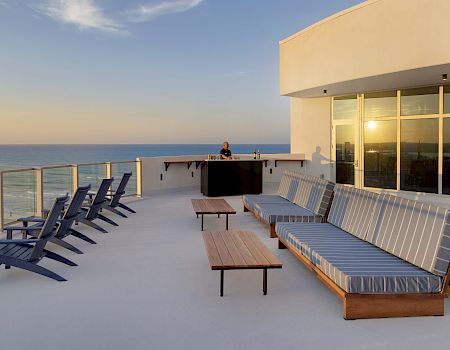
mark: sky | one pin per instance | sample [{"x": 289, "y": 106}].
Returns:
[{"x": 147, "y": 71}]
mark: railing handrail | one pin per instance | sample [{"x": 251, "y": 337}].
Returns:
[
  {"x": 57, "y": 166},
  {"x": 17, "y": 170},
  {"x": 47, "y": 167},
  {"x": 124, "y": 161}
]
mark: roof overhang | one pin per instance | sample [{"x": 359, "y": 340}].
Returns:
[{"x": 377, "y": 45}]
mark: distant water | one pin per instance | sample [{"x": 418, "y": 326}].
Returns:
[
  {"x": 12, "y": 156},
  {"x": 19, "y": 189}
]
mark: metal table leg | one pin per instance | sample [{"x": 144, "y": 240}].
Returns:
[
  {"x": 227, "y": 222},
  {"x": 265, "y": 281},
  {"x": 222, "y": 272},
  {"x": 202, "y": 222}
]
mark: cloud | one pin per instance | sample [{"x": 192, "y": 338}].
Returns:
[
  {"x": 148, "y": 12},
  {"x": 83, "y": 13}
]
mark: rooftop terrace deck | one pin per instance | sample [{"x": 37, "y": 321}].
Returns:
[{"x": 148, "y": 285}]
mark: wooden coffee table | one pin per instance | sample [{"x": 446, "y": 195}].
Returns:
[
  {"x": 238, "y": 250},
  {"x": 215, "y": 206}
]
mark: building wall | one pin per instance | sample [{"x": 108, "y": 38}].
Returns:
[
  {"x": 375, "y": 38},
  {"x": 311, "y": 133}
]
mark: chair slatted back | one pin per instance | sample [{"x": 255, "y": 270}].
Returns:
[
  {"x": 120, "y": 190},
  {"x": 48, "y": 229},
  {"x": 99, "y": 199},
  {"x": 72, "y": 210}
]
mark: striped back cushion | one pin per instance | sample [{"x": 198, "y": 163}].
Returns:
[
  {"x": 304, "y": 189},
  {"x": 414, "y": 231},
  {"x": 285, "y": 184},
  {"x": 353, "y": 210},
  {"x": 292, "y": 189},
  {"x": 325, "y": 196},
  {"x": 314, "y": 194}
]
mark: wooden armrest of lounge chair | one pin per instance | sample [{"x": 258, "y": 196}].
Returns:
[
  {"x": 9, "y": 241},
  {"x": 31, "y": 219},
  {"x": 22, "y": 228}
]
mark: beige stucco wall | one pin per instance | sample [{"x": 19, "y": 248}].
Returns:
[
  {"x": 311, "y": 133},
  {"x": 375, "y": 38}
]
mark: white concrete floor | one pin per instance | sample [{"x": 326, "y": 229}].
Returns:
[{"x": 147, "y": 285}]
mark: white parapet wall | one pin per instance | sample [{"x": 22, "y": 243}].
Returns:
[{"x": 155, "y": 177}]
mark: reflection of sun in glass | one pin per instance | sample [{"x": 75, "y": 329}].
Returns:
[{"x": 372, "y": 125}]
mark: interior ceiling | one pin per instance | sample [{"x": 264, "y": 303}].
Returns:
[{"x": 392, "y": 81}]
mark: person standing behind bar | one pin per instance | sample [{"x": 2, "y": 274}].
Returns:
[{"x": 225, "y": 152}]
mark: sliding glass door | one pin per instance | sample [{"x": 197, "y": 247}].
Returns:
[{"x": 345, "y": 136}]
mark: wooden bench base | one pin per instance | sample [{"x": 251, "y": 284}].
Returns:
[
  {"x": 272, "y": 233},
  {"x": 360, "y": 306}
]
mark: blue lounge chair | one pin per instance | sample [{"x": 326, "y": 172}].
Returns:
[
  {"x": 27, "y": 253},
  {"x": 64, "y": 228},
  {"x": 92, "y": 211},
  {"x": 114, "y": 198}
]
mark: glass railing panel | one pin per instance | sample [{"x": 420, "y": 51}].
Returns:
[
  {"x": 117, "y": 171},
  {"x": 19, "y": 194},
  {"x": 56, "y": 181},
  {"x": 91, "y": 174}
]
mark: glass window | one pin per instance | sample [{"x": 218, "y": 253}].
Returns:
[
  {"x": 447, "y": 99},
  {"x": 380, "y": 104},
  {"x": 380, "y": 154},
  {"x": 345, "y": 107},
  {"x": 420, "y": 101},
  {"x": 345, "y": 154},
  {"x": 446, "y": 169},
  {"x": 419, "y": 155}
]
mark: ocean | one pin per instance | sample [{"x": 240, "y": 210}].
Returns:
[{"x": 20, "y": 156}]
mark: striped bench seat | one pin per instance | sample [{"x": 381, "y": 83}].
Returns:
[
  {"x": 289, "y": 212},
  {"x": 355, "y": 265},
  {"x": 251, "y": 200},
  {"x": 383, "y": 255},
  {"x": 300, "y": 198}
]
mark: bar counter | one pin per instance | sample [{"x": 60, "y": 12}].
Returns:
[{"x": 231, "y": 177}]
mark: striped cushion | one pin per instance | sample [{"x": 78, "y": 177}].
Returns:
[
  {"x": 292, "y": 189},
  {"x": 414, "y": 231},
  {"x": 285, "y": 184},
  {"x": 251, "y": 200},
  {"x": 272, "y": 213},
  {"x": 307, "y": 191},
  {"x": 352, "y": 210},
  {"x": 355, "y": 265}
]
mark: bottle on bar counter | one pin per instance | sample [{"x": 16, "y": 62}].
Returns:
[
  {"x": 254, "y": 154},
  {"x": 259, "y": 155}
]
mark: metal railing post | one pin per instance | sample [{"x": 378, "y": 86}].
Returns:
[
  {"x": 108, "y": 170},
  {"x": 39, "y": 192},
  {"x": 138, "y": 177},
  {"x": 74, "y": 178},
  {"x": 109, "y": 174}
]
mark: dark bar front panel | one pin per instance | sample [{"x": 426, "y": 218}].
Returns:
[{"x": 231, "y": 177}]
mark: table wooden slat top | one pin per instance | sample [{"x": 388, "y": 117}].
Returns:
[
  {"x": 212, "y": 206},
  {"x": 229, "y": 250}
]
